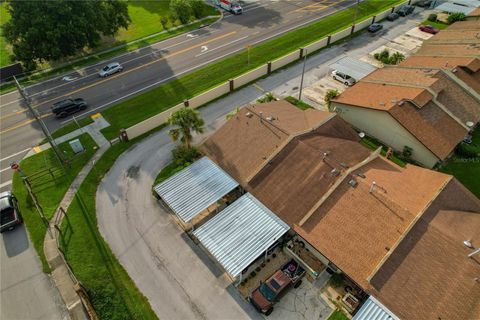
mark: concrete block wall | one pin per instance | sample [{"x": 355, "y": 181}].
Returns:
[
  {"x": 283, "y": 61},
  {"x": 316, "y": 45},
  {"x": 341, "y": 34},
  {"x": 209, "y": 95},
  {"x": 152, "y": 123},
  {"x": 383, "y": 15},
  {"x": 250, "y": 76},
  {"x": 364, "y": 24}
]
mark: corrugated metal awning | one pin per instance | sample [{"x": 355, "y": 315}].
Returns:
[
  {"x": 450, "y": 8},
  {"x": 195, "y": 188},
  {"x": 355, "y": 68},
  {"x": 373, "y": 309},
  {"x": 241, "y": 233}
]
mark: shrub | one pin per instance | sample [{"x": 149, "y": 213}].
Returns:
[
  {"x": 432, "y": 17},
  {"x": 183, "y": 155},
  {"x": 266, "y": 98},
  {"x": 182, "y": 9},
  {"x": 332, "y": 93},
  {"x": 337, "y": 279},
  {"x": 456, "y": 16},
  {"x": 396, "y": 58},
  {"x": 407, "y": 152},
  {"x": 164, "y": 22},
  {"x": 385, "y": 57},
  {"x": 466, "y": 151}
]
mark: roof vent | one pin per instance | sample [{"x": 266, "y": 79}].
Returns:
[
  {"x": 361, "y": 175},
  {"x": 326, "y": 153},
  {"x": 375, "y": 185},
  {"x": 249, "y": 114},
  {"x": 353, "y": 183},
  {"x": 382, "y": 103},
  {"x": 343, "y": 164},
  {"x": 470, "y": 124},
  {"x": 270, "y": 118},
  {"x": 468, "y": 244},
  {"x": 401, "y": 103},
  {"x": 454, "y": 70},
  {"x": 394, "y": 101},
  {"x": 361, "y": 135},
  {"x": 335, "y": 172}
]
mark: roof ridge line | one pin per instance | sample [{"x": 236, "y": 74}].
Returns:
[
  {"x": 269, "y": 122},
  {"x": 372, "y": 156},
  {"x": 408, "y": 229},
  {"x": 285, "y": 143}
]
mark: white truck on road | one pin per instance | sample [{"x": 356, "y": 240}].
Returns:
[{"x": 230, "y": 6}]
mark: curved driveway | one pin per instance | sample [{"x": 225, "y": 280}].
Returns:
[{"x": 177, "y": 277}]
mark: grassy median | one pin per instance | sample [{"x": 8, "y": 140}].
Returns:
[
  {"x": 139, "y": 108},
  {"x": 111, "y": 291},
  {"x": 49, "y": 187}
]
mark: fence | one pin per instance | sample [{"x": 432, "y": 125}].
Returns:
[{"x": 226, "y": 87}]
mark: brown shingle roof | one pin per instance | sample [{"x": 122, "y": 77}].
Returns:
[
  {"x": 475, "y": 13},
  {"x": 429, "y": 275},
  {"x": 455, "y": 36},
  {"x": 465, "y": 25},
  {"x": 243, "y": 144},
  {"x": 449, "y": 63},
  {"x": 450, "y": 50},
  {"x": 381, "y": 96}
]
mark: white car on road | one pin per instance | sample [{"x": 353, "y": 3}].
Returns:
[{"x": 110, "y": 69}]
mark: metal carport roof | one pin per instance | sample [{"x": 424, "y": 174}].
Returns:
[
  {"x": 355, "y": 68},
  {"x": 450, "y": 7},
  {"x": 467, "y": 3},
  {"x": 240, "y": 233},
  {"x": 373, "y": 309},
  {"x": 195, "y": 188}
]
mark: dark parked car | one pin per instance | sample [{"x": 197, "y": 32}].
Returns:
[
  {"x": 405, "y": 10},
  {"x": 429, "y": 29},
  {"x": 375, "y": 27},
  {"x": 63, "y": 108},
  {"x": 392, "y": 16},
  {"x": 424, "y": 3},
  {"x": 9, "y": 213}
]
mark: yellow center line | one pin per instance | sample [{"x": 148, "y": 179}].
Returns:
[
  {"x": 24, "y": 123},
  {"x": 123, "y": 73}
]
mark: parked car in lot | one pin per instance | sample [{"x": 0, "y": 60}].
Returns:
[
  {"x": 110, "y": 69},
  {"x": 63, "y": 108},
  {"x": 270, "y": 291},
  {"x": 9, "y": 214},
  {"x": 429, "y": 29},
  {"x": 405, "y": 10},
  {"x": 375, "y": 27},
  {"x": 343, "y": 78},
  {"x": 393, "y": 16},
  {"x": 424, "y": 3}
]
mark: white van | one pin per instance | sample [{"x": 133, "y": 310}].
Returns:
[{"x": 231, "y": 6}]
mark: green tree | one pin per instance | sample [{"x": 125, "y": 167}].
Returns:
[
  {"x": 197, "y": 8},
  {"x": 44, "y": 30},
  {"x": 182, "y": 9},
  {"x": 187, "y": 121}
]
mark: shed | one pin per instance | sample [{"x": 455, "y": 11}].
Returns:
[
  {"x": 374, "y": 309},
  {"x": 355, "y": 68},
  {"x": 241, "y": 233},
  {"x": 195, "y": 188}
]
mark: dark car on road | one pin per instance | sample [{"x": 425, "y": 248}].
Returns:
[
  {"x": 393, "y": 16},
  {"x": 405, "y": 10},
  {"x": 9, "y": 213},
  {"x": 63, "y": 108},
  {"x": 375, "y": 27}
]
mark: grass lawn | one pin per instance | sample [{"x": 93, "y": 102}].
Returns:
[
  {"x": 298, "y": 103},
  {"x": 338, "y": 315},
  {"x": 48, "y": 189},
  {"x": 373, "y": 144},
  {"x": 126, "y": 114},
  {"x": 467, "y": 170},
  {"x": 112, "y": 292},
  {"x": 4, "y": 51},
  {"x": 438, "y": 25}
]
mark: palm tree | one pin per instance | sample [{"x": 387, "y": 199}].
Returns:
[
  {"x": 233, "y": 113},
  {"x": 187, "y": 120}
]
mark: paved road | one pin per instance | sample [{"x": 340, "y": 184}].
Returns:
[
  {"x": 152, "y": 65},
  {"x": 26, "y": 292},
  {"x": 150, "y": 245}
]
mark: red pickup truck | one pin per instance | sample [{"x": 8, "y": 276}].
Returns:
[{"x": 269, "y": 292}]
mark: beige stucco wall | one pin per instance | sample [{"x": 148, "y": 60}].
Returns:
[
  {"x": 151, "y": 123},
  {"x": 362, "y": 25},
  {"x": 250, "y": 76},
  {"x": 382, "y": 126},
  {"x": 383, "y": 14},
  {"x": 316, "y": 45},
  {"x": 209, "y": 95},
  {"x": 283, "y": 61},
  {"x": 341, "y": 34}
]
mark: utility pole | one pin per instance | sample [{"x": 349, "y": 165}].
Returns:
[
  {"x": 356, "y": 12},
  {"x": 40, "y": 121},
  {"x": 303, "y": 73}
]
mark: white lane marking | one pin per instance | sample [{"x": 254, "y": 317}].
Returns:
[
  {"x": 68, "y": 78},
  {"x": 223, "y": 45},
  {"x": 15, "y": 154},
  {"x": 6, "y": 184},
  {"x": 203, "y": 48},
  {"x": 5, "y": 169}
]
